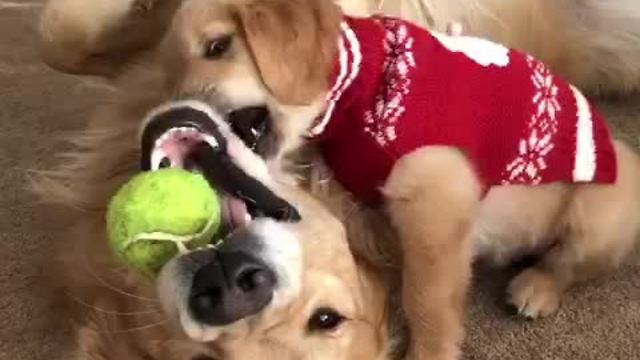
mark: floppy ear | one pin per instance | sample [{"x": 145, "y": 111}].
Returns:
[{"x": 294, "y": 44}]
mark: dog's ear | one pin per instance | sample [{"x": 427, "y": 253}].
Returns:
[{"x": 294, "y": 44}]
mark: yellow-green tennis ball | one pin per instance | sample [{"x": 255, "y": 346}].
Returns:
[{"x": 158, "y": 213}]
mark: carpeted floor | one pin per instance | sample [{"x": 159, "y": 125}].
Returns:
[{"x": 599, "y": 321}]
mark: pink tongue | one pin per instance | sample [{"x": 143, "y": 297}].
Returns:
[
  {"x": 238, "y": 214},
  {"x": 177, "y": 150}
]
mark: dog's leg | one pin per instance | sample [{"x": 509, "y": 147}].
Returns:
[
  {"x": 433, "y": 197},
  {"x": 100, "y": 37},
  {"x": 602, "y": 226}
]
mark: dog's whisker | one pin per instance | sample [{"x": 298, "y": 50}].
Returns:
[
  {"x": 113, "y": 312},
  {"x": 303, "y": 165},
  {"x": 115, "y": 289},
  {"x": 120, "y": 270},
  {"x": 324, "y": 183},
  {"x": 120, "y": 291},
  {"x": 351, "y": 211},
  {"x": 130, "y": 330}
]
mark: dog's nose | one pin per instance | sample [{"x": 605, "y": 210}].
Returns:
[{"x": 231, "y": 288}]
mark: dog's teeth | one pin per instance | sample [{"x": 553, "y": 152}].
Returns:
[
  {"x": 165, "y": 137},
  {"x": 211, "y": 141},
  {"x": 171, "y": 133},
  {"x": 156, "y": 158}
]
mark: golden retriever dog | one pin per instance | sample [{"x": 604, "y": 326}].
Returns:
[
  {"x": 323, "y": 302},
  {"x": 594, "y": 44},
  {"x": 280, "y": 54},
  {"x": 563, "y": 226}
]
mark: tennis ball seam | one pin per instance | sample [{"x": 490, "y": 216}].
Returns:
[{"x": 178, "y": 240}]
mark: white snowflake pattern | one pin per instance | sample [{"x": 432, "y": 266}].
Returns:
[
  {"x": 530, "y": 161},
  {"x": 546, "y": 96},
  {"x": 399, "y": 60},
  {"x": 537, "y": 143}
]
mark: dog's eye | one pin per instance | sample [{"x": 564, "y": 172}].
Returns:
[
  {"x": 216, "y": 48},
  {"x": 325, "y": 319}
]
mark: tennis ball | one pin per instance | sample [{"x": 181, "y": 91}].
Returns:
[{"x": 160, "y": 213}]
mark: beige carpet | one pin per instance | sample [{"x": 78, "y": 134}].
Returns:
[{"x": 599, "y": 321}]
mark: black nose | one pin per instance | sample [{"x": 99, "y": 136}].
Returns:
[{"x": 231, "y": 288}]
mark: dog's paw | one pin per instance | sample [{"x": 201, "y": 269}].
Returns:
[{"x": 534, "y": 294}]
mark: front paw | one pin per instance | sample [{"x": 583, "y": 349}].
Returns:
[{"x": 534, "y": 293}]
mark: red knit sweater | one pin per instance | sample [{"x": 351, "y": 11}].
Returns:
[{"x": 398, "y": 87}]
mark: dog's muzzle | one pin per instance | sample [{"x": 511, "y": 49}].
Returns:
[
  {"x": 192, "y": 136},
  {"x": 258, "y": 262}
]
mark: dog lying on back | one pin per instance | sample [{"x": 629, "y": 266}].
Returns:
[
  {"x": 462, "y": 177},
  {"x": 326, "y": 302}
]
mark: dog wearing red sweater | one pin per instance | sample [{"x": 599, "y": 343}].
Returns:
[{"x": 474, "y": 151}]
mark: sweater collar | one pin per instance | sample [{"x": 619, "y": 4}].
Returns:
[{"x": 346, "y": 70}]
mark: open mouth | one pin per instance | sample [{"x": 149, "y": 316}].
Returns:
[
  {"x": 253, "y": 125},
  {"x": 188, "y": 138},
  {"x": 174, "y": 147}
]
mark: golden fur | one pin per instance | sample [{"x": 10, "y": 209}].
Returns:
[
  {"x": 566, "y": 226},
  {"x": 432, "y": 195},
  {"x": 117, "y": 314},
  {"x": 101, "y": 37},
  {"x": 595, "y": 44},
  {"x": 268, "y": 33}
]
